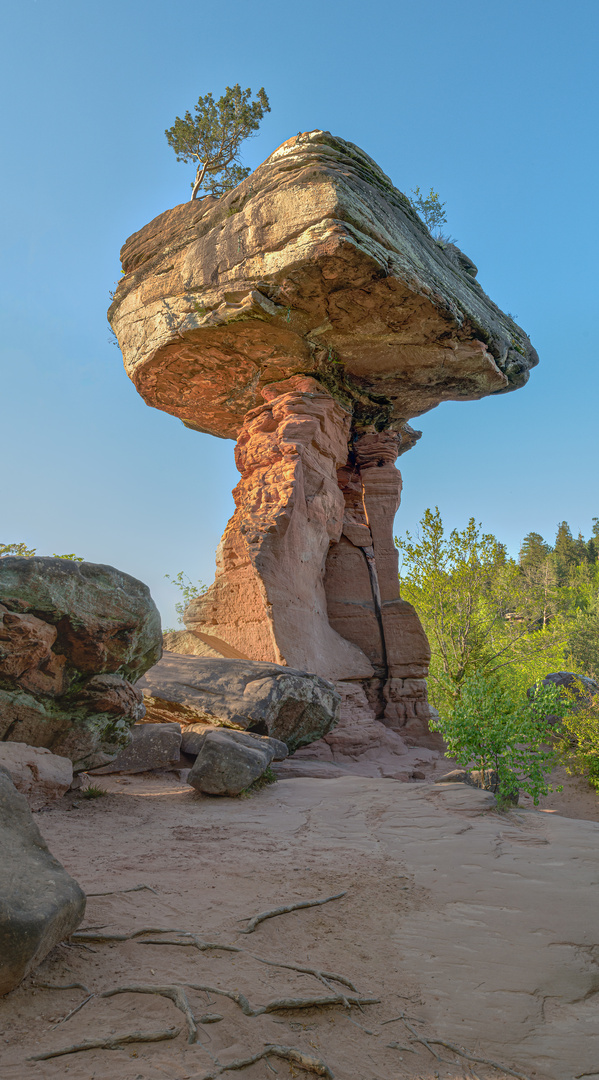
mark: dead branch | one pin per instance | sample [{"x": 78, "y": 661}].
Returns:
[
  {"x": 113, "y": 892},
  {"x": 257, "y": 919},
  {"x": 289, "y": 1053},
  {"x": 175, "y": 993},
  {"x": 73, "y": 1011},
  {"x": 112, "y": 1043},
  {"x": 479, "y": 1060}
]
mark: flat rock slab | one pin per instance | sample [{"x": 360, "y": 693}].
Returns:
[
  {"x": 153, "y": 746},
  {"x": 40, "y": 904},
  {"x": 289, "y": 705}
]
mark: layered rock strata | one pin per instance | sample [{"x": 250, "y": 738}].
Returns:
[{"x": 309, "y": 314}]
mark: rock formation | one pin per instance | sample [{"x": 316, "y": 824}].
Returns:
[
  {"x": 73, "y": 639},
  {"x": 40, "y": 904},
  {"x": 309, "y": 315}
]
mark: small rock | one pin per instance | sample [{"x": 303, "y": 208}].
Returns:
[
  {"x": 225, "y": 765},
  {"x": 153, "y": 746}
]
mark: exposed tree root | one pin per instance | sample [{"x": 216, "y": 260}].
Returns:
[
  {"x": 92, "y": 934},
  {"x": 289, "y": 1053},
  {"x": 114, "y": 892},
  {"x": 257, "y": 919},
  {"x": 63, "y": 986},
  {"x": 175, "y": 993},
  {"x": 479, "y": 1060},
  {"x": 112, "y": 1043}
]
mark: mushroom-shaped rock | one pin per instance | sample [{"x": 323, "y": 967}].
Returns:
[{"x": 310, "y": 315}]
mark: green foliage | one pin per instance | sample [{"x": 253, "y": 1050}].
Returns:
[
  {"x": 16, "y": 549},
  {"x": 212, "y": 137},
  {"x": 479, "y": 611},
  {"x": 579, "y": 747},
  {"x": 490, "y": 728},
  {"x": 22, "y": 549},
  {"x": 268, "y": 777},
  {"x": 189, "y": 590},
  {"x": 93, "y": 791},
  {"x": 430, "y": 209}
]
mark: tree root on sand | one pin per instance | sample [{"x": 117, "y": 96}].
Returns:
[
  {"x": 114, "y": 1042},
  {"x": 114, "y": 892},
  {"x": 416, "y": 1037},
  {"x": 289, "y": 1053},
  {"x": 257, "y": 919}
]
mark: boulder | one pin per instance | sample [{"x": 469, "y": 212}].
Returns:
[
  {"x": 580, "y": 688},
  {"x": 228, "y": 761},
  {"x": 192, "y": 740},
  {"x": 289, "y": 705},
  {"x": 74, "y": 637},
  {"x": 152, "y": 746},
  {"x": 40, "y": 904},
  {"x": 36, "y": 772}
]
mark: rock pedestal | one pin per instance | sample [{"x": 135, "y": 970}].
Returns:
[{"x": 310, "y": 315}]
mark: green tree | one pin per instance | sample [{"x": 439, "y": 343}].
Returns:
[
  {"x": 533, "y": 550},
  {"x": 188, "y": 589},
  {"x": 480, "y": 612},
  {"x": 23, "y": 550},
  {"x": 212, "y": 138},
  {"x": 489, "y": 728},
  {"x": 430, "y": 209}
]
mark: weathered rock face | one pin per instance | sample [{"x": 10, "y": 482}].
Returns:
[
  {"x": 73, "y": 639},
  {"x": 40, "y": 904},
  {"x": 38, "y": 774},
  {"x": 309, "y": 314},
  {"x": 152, "y": 746},
  {"x": 289, "y": 705}
]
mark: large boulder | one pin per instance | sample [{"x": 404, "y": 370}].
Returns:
[
  {"x": 40, "y": 904},
  {"x": 228, "y": 762},
  {"x": 580, "y": 689},
  {"x": 289, "y": 705},
  {"x": 74, "y": 637},
  {"x": 37, "y": 773}
]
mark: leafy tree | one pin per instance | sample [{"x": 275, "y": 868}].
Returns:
[
  {"x": 430, "y": 209},
  {"x": 212, "y": 138},
  {"x": 22, "y": 549},
  {"x": 533, "y": 550},
  {"x": 489, "y": 728},
  {"x": 580, "y": 738},
  {"x": 188, "y": 589},
  {"x": 481, "y": 614}
]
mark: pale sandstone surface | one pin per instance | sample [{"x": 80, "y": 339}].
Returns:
[
  {"x": 482, "y": 925},
  {"x": 35, "y": 772}
]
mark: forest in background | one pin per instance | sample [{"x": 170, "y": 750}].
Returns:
[{"x": 489, "y": 614}]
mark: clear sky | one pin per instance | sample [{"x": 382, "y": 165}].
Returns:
[{"x": 494, "y": 104}]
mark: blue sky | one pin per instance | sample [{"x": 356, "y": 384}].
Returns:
[{"x": 493, "y": 104}]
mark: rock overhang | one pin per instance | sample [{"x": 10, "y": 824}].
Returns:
[{"x": 317, "y": 265}]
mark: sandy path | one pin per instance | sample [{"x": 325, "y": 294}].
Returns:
[{"x": 484, "y": 926}]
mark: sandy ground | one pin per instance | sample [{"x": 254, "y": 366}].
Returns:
[{"x": 480, "y": 927}]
